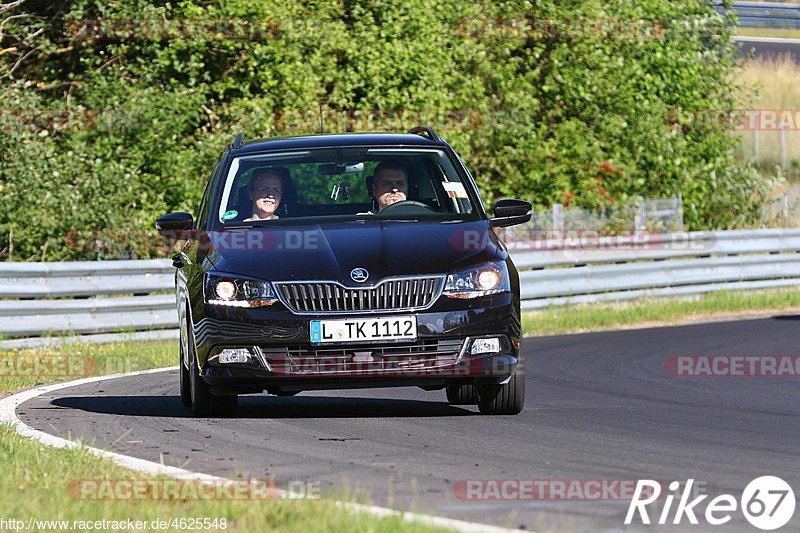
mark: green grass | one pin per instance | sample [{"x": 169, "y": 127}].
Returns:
[
  {"x": 771, "y": 85},
  {"x": 597, "y": 317},
  {"x": 768, "y": 32},
  {"x": 27, "y": 368},
  {"x": 35, "y": 479}
]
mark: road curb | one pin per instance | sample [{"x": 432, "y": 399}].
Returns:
[{"x": 8, "y": 408}]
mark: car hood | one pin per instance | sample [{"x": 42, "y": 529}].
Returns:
[{"x": 331, "y": 251}]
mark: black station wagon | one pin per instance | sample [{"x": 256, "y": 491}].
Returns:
[{"x": 346, "y": 261}]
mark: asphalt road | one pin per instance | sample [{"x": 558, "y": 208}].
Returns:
[
  {"x": 600, "y": 406},
  {"x": 769, "y": 48}
]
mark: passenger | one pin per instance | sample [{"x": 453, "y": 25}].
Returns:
[
  {"x": 265, "y": 194},
  {"x": 390, "y": 185}
]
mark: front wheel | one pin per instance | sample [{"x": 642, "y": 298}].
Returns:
[
  {"x": 202, "y": 401},
  {"x": 465, "y": 394},
  {"x": 507, "y": 399},
  {"x": 186, "y": 392}
]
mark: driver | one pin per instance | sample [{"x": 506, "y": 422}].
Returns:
[{"x": 390, "y": 185}]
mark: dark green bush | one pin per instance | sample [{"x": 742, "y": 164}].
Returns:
[{"x": 100, "y": 136}]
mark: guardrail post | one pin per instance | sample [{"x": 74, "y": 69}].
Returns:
[
  {"x": 785, "y": 206},
  {"x": 640, "y": 219},
  {"x": 756, "y": 137},
  {"x": 783, "y": 141},
  {"x": 558, "y": 217}
]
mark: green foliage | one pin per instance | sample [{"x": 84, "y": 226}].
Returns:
[{"x": 102, "y": 134}]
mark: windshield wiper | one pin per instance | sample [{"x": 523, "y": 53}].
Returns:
[{"x": 249, "y": 225}]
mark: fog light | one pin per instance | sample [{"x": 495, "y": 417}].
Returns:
[
  {"x": 235, "y": 355},
  {"x": 491, "y": 345}
]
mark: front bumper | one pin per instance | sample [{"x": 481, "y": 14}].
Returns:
[
  {"x": 494, "y": 368},
  {"x": 283, "y": 360}
]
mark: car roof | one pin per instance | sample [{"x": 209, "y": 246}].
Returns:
[{"x": 334, "y": 140}]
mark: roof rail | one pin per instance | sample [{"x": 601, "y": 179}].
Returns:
[
  {"x": 239, "y": 141},
  {"x": 425, "y": 131}
]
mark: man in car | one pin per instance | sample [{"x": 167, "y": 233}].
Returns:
[
  {"x": 390, "y": 185},
  {"x": 265, "y": 193}
]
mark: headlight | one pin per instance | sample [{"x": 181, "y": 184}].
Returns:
[
  {"x": 238, "y": 292},
  {"x": 481, "y": 280}
]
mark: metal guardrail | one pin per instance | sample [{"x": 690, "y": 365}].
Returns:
[
  {"x": 94, "y": 297},
  {"x": 766, "y": 14},
  {"x": 572, "y": 271},
  {"x": 109, "y": 296}
]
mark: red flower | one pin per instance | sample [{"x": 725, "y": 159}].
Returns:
[
  {"x": 611, "y": 199},
  {"x": 598, "y": 180},
  {"x": 570, "y": 195},
  {"x": 608, "y": 167}
]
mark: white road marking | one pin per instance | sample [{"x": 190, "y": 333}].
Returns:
[{"x": 8, "y": 414}]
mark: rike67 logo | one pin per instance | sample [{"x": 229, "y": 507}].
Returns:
[{"x": 767, "y": 503}]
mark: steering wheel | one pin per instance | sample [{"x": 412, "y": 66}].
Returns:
[{"x": 408, "y": 207}]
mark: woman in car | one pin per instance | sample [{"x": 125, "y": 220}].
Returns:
[{"x": 265, "y": 193}]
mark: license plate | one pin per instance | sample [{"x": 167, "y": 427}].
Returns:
[{"x": 364, "y": 329}]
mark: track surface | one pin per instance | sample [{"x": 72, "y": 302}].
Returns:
[
  {"x": 599, "y": 406},
  {"x": 768, "y": 49}
]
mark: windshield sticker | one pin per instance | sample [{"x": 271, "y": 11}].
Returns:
[
  {"x": 229, "y": 215},
  {"x": 455, "y": 189}
]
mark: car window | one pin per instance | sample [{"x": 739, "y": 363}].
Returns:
[{"x": 344, "y": 182}]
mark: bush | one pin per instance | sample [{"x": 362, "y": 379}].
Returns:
[{"x": 107, "y": 134}]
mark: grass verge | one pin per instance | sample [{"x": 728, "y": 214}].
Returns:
[
  {"x": 40, "y": 483},
  {"x": 20, "y": 369},
  {"x": 778, "y": 33},
  {"x": 718, "y": 305},
  {"x": 37, "y": 481},
  {"x": 773, "y": 87}
]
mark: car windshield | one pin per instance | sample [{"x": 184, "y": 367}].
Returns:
[{"x": 344, "y": 183}]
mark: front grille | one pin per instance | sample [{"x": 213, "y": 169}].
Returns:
[
  {"x": 404, "y": 294},
  {"x": 423, "y": 355}
]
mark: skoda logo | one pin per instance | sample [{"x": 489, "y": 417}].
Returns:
[{"x": 359, "y": 275}]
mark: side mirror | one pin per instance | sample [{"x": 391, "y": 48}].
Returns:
[
  {"x": 510, "y": 212},
  {"x": 177, "y": 226}
]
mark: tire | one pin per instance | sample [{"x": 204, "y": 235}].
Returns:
[
  {"x": 508, "y": 399},
  {"x": 186, "y": 392},
  {"x": 204, "y": 403},
  {"x": 462, "y": 394}
]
